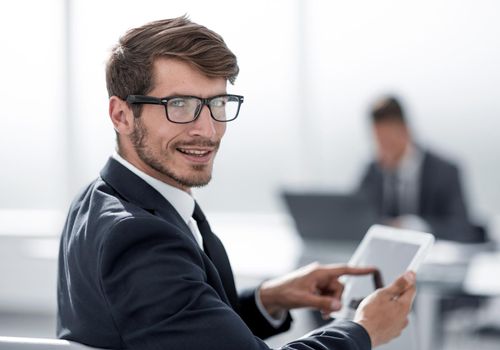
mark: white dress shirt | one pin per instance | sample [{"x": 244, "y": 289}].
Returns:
[{"x": 408, "y": 173}]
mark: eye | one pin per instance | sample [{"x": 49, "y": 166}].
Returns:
[
  {"x": 177, "y": 102},
  {"x": 218, "y": 102}
]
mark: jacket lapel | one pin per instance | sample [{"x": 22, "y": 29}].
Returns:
[{"x": 135, "y": 190}]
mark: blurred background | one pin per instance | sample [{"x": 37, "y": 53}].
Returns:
[{"x": 309, "y": 71}]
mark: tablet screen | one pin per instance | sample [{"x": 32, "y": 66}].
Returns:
[
  {"x": 392, "y": 251},
  {"x": 391, "y": 264}
]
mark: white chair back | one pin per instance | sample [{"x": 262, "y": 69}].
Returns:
[{"x": 17, "y": 343}]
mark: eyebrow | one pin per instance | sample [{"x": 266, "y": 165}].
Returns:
[
  {"x": 185, "y": 93},
  {"x": 195, "y": 95}
]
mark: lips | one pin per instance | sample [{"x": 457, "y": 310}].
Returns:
[
  {"x": 194, "y": 152},
  {"x": 197, "y": 155},
  {"x": 197, "y": 151}
]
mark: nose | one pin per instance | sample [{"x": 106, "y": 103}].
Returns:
[{"x": 204, "y": 125}]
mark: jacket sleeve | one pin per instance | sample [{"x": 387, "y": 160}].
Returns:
[
  {"x": 154, "y": 282},
  {"x": 449, "y": 218},
  {"x": 369, "y": 183},
  {"x": 254, "y": 319}
]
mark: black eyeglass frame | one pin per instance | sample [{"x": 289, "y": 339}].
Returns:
[{"x": 143, "y": 99}]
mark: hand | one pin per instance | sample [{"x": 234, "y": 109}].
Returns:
[
  {"x": 314, "y": 285},
  {"x": 384, "y": 313}
]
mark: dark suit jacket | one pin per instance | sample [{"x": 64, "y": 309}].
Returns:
[
  {"x": 131, "y": 275},
  {"x": 440, "y": 203}
]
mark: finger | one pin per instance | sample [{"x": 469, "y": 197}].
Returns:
[
  {"x": 402, "y": 283},
  {"x": 337, "y": 288},
  {"x": 339, "y": 270},
  {"x": 334, "y": 289},
  {"x": 326, "y": 315},
  {"x": 408, "y": 295},
  {"x": 327, "y": 283},
  {"x": 323, "y": 303},
  {"x": 335, "y": 305}
]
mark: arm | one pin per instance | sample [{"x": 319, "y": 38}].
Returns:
[
  {"x": 449, "y": 218},
  {"x": 314, "y": 285},
  {"x": 253, "y": 314},
  {"x": 155, "y": 284},
  {"x": 367, "y": 183},
  {"x": 256, "y": 321},
  {"x": 371, "y": 188},
  {"x": 383, "y": 314}
]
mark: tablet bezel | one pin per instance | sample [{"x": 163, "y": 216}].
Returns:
[{"x": 422, "y": 239}]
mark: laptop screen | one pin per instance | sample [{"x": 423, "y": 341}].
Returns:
[{"x": 330, "y": 216}]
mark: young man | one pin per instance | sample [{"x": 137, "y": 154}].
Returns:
[
  {"x": 412, "y": 187},
  {"x": 139, "y": 267}
]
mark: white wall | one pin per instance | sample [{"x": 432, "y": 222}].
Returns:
[
  {"x": 32, "y": 120},
  {"x": 309, "y": 69}
]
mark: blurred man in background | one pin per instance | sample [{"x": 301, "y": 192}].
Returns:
[{"x": 411, "y": 186}]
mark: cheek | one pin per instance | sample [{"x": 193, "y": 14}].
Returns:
[
  {"x": 220, "y": 129},
  {"x": 387, "y": 142},
  {"x": 384, "y": 145},
  {"x": 167, "y": 136}
]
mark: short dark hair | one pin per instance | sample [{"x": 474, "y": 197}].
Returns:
[
  {"x": 129, "y": 69},
  {"x": 387, "y": 108}
]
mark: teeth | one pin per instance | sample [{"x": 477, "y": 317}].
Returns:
[{"x": 193, "y": 152}]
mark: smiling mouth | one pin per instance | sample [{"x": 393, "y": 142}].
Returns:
[{"x": 194, "y": 152}]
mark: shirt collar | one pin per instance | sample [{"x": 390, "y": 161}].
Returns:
[
  {"x": 411, "y": 161},
  {"x": 182, "y": 201}
]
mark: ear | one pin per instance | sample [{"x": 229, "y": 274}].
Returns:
[{"x": 121, "y": 115}]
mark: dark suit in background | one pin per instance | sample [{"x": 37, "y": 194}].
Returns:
[
  {"x": 440, "y": 200},
  {"x": 131, "y": 275}
]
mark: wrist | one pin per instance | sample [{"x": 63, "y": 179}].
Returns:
[
  {"x": 366, "y": 326},
  {"x": 270, "y": 301}
]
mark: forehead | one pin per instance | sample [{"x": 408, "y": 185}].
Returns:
[
  {"x": 177, "y": 77},
  {"x": 389, "y": 125}
]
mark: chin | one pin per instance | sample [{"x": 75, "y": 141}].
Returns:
[{"x": 194, "y": 179}]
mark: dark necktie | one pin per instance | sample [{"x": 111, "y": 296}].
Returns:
[{"x": 217, "y": 254}]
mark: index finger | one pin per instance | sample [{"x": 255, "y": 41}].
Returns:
[{"x": 339, "y": 270}]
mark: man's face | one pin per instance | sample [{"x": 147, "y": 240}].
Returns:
[
  {"x": 392, "y": 138},
  {"x": 179, "y": 154}
]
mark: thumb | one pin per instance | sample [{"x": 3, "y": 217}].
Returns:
[
  {"x": 402, "y": 283},
  {"x": 323, "y": 303}
]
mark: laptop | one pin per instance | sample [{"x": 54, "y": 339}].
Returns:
[{"x": 333, "y": 217}]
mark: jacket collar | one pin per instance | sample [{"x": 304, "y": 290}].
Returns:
[
  {"x": 135, "y": 190},
  {"x": 181, "y": 200}
]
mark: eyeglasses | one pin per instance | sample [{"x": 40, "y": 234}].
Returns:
[{"x": 186, "y": 109}]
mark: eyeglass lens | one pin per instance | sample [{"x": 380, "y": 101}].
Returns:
[{"x": 186, "y": 109}]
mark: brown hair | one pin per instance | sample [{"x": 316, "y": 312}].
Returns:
[
  {"x": 129, "y": 69},
  {"x": 387, "y": 108}
]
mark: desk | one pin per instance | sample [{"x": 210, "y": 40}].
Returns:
[{"x": 442, "y": 276}]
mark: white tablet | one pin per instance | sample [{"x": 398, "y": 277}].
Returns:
[{"x": 393, "y": 251}]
